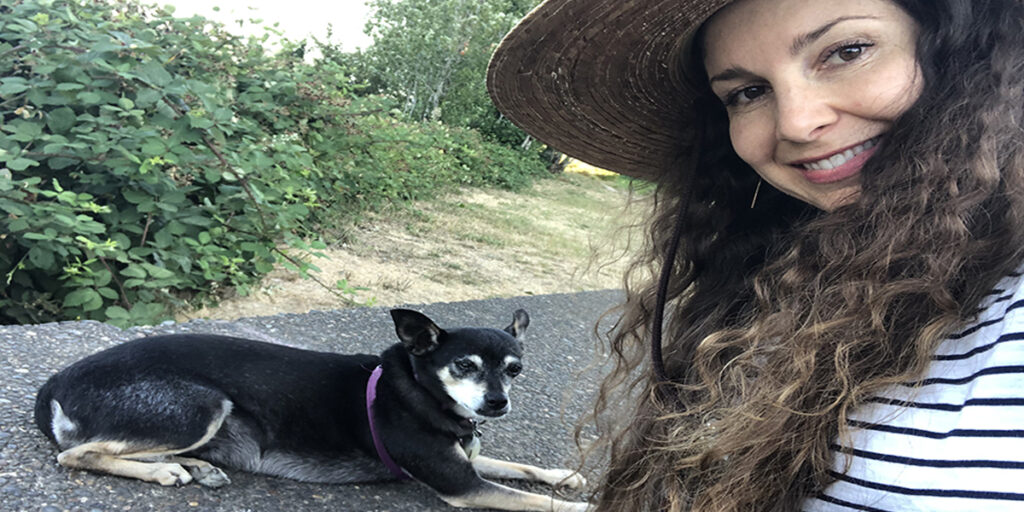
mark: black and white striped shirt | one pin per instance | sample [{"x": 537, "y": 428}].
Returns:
[{"x": 957, "y": 443}]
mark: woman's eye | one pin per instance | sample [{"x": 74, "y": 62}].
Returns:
[
  {"x": 848, "y": 53},
  {"x": 745, "y": 95}
]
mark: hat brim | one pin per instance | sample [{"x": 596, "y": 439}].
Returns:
[{"x": 600, "y": 80}]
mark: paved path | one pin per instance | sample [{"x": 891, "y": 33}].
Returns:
[{"x": 559, "y": 344}]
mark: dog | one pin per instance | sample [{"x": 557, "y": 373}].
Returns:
[{"x": 170, "y": 409}]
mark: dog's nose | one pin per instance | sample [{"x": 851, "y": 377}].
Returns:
[{"x": 496, "y": 401}]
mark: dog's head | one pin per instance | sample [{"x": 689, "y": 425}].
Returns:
[{"x": 472, "y": 367}]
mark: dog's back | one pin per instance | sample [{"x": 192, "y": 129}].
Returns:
[{"x": 247, "y": 404}]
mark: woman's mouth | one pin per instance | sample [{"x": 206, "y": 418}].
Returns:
[{"x": 841, "y": 165}]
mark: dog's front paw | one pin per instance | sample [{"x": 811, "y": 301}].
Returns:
[
  {"x": 209, "y": 476},
  {"x": 169, "y": 474},
  {"x": 565, "y": 478}
]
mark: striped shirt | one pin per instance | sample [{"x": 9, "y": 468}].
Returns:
[{"x": 957, "y": 444}]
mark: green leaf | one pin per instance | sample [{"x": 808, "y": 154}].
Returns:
[
  {"x": 20, "y": 164},
  {"x": 196, "y": 221},
  {"x": 146, "y": 98},
  {"x": 81, "y": 296},
  {"x": 25, "y": 131},
  {"x": 200, "y": 122},
  {"x": 17, "y": 225},
  {"x": 6, "y": 205},
  {"x": 60, "y": 120},
  {"x": 120, "y": 149},
  {"x": 89, "y": 98},
  {"x": 134, "y": 283},
  {"x": 176, "y": 228},
  {"x": 133, "y": 271},
  {"x": 158, "y": 272},
  {"x": 41, "y": 257},
  {"x": 154, "y": 74},
  {"x": 13, "y": 85},
  {"x": 134, "y": 196},
  {"x": 105, "y": 46},
  {"x": 116, "y": 313},
  {"x": 212, "y": 175},
  {"x": 93, "y": 302},
  {"x": 58, "y": 163},
  {"x": 103, "y": 278},
  {"x": 163, "y": 238},
  {"x": 154, "y": 147}
]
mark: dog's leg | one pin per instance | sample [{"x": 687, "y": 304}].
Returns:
[
  {"x": 203, "y": 472},
  {"x": 499, "y": 497},
  {"x": 149, "y": 461},
  {"x": 151, "y": 466},
  {"x": 110, "y": 457},
  {"x": 494, "y": 468}
]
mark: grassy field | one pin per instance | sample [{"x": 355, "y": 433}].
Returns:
[{"x": 559, "y": 236}]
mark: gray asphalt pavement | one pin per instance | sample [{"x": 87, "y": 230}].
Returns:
[{"x": 546, "y": 400}]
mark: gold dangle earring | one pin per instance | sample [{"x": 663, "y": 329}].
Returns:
[{"x": 756, "y": 190}]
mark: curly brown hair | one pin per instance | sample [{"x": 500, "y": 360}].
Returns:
[{"x": 782, "y": 318}]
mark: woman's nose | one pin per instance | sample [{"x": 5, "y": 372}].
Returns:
[{"x": 803, "y": 113}]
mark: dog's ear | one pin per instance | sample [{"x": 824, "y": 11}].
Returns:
[
  {"x": 418, "y": 333},
  {"x": 520, "y": 321}
]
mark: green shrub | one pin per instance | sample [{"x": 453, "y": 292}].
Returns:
[
  {"x": 138, "y": 171},
  {"x": 380, "y": 160},
  {"x": 148, "y": 161}
]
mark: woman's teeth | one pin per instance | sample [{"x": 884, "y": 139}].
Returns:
[{"x": 840, "y": 158}]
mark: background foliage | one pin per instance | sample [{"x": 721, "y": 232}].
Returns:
[
  {"x": 149, "y": 161},
  {"x": 432, "y": 55}
]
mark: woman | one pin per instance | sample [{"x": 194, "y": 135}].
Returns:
[{"x": 838, "y": 228}]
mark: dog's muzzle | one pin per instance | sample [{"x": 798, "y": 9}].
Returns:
[{"x": 495, "y": 405}]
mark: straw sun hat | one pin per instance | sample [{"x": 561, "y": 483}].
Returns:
[{"x": 599, "y": 79}]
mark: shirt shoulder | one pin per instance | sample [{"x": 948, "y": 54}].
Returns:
[{"x": 952, "y": 441}]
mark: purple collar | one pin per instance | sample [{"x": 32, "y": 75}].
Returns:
[{"x": 371, "y": 396}]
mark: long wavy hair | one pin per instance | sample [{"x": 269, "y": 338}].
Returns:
[{"x": 782, "y": 319}]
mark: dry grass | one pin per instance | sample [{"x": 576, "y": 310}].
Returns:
[{"x": 556, "y": 237}]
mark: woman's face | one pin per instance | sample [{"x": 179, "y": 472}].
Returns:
[{"x": 811, "y": 87}]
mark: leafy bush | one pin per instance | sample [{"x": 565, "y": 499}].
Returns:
[
  {"x": 382, "y": 160},
  {"x": 136, "y": 172},
  {"x": 149, "y": 160}
]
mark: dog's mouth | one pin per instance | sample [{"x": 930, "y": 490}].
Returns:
[{"x": 492, "y": 413}]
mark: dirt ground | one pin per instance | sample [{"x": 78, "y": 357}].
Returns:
[{"x": 560, "y": 236}]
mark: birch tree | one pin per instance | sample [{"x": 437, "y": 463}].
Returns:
[{"x": 432, "y": 54}]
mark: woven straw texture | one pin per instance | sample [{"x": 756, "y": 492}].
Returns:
[{"x": 599, "y": 80}]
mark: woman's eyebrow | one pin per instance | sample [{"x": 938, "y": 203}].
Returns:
[
  {"x": 803, "y": 40},
  {"x": 730, "y": 74}
]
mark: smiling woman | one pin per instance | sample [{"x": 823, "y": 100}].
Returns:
[
  {"x": 838, "y": 231},
  {"x": 811, "y": 88}
]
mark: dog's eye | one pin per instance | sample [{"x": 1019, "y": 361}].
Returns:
[
  {"x": 465, "y": 365},
  {"x": 514, "y": 369}
]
